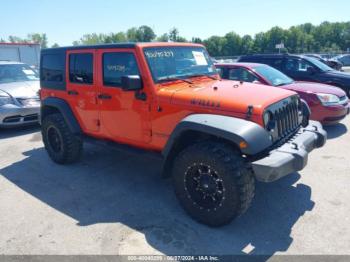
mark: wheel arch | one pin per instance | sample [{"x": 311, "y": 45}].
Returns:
[
  {"x": 52, "y": 105},
  {"x": 199, "y": 127}
]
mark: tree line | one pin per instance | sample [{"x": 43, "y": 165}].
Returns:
[{"x": 304, "y": 38}]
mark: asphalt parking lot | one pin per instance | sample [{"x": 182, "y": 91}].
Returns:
[{"x": 116, "y": 203}]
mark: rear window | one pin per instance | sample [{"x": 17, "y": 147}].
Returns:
[
  {"x": 52, "y": 69},
  {"x": 81, "y": 68}
]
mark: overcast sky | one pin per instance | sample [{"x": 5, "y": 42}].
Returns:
[{"x": 67, "y": 20}]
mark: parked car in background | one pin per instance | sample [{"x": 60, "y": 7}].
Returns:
[
  {"x": 344, "y": 59},
  {"x": 303, "y": 68},
  {"x": 333, "y": 63},
  {"x": 19, "y": 99},
  {"x": 27, "y": 53},
  {"x": 328, "y": 104}
]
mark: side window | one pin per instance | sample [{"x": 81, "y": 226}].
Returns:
[
  {"x": 220, "y": 71},
  {"x": 346, "y": 60},
  {"x": 297, "y": 65},
  {"x": 116, "y": 65},
  {"x": 240, "y": 74},
  {"x": 81, "y": 68},
  {"x": 52, "y": 68},
  {"x": 276, "y": 63}
]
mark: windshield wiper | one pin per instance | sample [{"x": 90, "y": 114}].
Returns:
[
  {"x": 281, "y": 84},
  {"x": 209, "y": 76},
  {"x": 175, "y": 79}
]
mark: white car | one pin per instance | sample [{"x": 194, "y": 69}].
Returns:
[{"x": 19, "y": 98}]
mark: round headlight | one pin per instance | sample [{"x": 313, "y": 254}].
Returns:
[
  {"x": 267, "y": 116},
  {"x": 5, "y": 100}
]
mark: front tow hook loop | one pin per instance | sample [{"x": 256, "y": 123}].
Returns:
[{"x": 295, "y": 146}]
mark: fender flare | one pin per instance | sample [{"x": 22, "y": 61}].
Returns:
[
  {"x": 63, "y": 107},
  {"x": 233, "y": 129}
]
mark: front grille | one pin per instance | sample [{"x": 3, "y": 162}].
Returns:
[
  {"x": 22, "y": 119},
  {"x": 287, "y": 119},
  {"x": 32, "y": 117},
  {"x": 12, "y": 119},
  {"x": 285, "y": 115}
]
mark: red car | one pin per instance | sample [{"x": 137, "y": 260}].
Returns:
[{"x": 328, "y": 104}]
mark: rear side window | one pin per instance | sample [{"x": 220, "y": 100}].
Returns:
[
  {"x": 81, "y": 68},
  {"x": 52, "y": 71},
  {"x": 274, "y": 62},
  {"x": 116, "y": 65},
  {"x": 241, "y": 74}
]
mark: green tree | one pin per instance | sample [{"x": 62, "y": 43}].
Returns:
[
  {"x": 233, "y": 44},
  {"x": 145, "y": 34},
  {"x": 38, "y": 38},
  {"x": 163, "y": 38},
  {"x": 115, "y": 38},
  {"x": 196, "y": 40},
  {"x": 173, "y": 34},
  {"x": 215, "y": 45},
  {"x": 247, "y": 45},
  {"x": 91, "y": 39},
  {"x": 55, "y": 45},
  {"x": 131, "y": 34},
  {"x": 16, "y": 39}
]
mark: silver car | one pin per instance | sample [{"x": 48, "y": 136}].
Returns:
[{"x": 19, "y": 98}]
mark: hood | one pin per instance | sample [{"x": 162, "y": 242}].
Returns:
[
  {"x": 229, "y": 95},
  {"x": 25, "y": 89},
  {"x": 338, "y": 75},
  {"x": 309, "y": 87}
]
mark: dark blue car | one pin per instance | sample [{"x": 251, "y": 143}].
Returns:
[{"x": 303, "y": 68}]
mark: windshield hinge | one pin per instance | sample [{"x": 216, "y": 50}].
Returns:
[{"x": 249, "y": 112}]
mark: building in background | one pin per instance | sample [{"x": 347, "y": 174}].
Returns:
[{"x": 27, "y": 53}]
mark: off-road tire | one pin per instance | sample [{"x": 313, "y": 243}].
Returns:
[
  {"x": 70, "y": 144},
  {"x": 237, "y": 180}
]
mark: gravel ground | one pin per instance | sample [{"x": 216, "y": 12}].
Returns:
[{"x": 116, "y": 203}]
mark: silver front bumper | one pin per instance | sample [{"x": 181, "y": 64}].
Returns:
[
  {"x": 291, "y": 156},
  {"x": 12, "y": 115}
]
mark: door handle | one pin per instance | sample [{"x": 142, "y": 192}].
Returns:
[
  {"x": 73, "y": 93},
  {"x": 104, "y": 96}
]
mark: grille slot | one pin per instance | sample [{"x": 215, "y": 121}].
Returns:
[{"x": 286, "y": 116}]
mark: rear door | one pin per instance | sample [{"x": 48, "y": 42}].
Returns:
[
  {"x": 82, "y": 88},
  {"x": 297, "y": 69}
]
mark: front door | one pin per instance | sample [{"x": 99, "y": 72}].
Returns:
[
  {"x": 82, "y": 89},
  {"x": 124, "y": 116}
]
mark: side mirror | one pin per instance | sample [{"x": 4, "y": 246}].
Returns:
[
  {"x": 311, "y": 70},
  {"x": 131, "y": 82}
]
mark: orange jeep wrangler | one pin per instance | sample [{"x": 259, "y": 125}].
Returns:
[{"x": 215, "y": 136}]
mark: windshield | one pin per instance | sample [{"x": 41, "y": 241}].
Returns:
[
  {"x": 17, "y": 73},
  {"x": 275, "y": 77},
  {"x": 322, "y": 66},
  {"x": 170, "y": 63}
]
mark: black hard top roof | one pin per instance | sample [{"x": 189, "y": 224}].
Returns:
[{"x": 81, "y": 47}]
